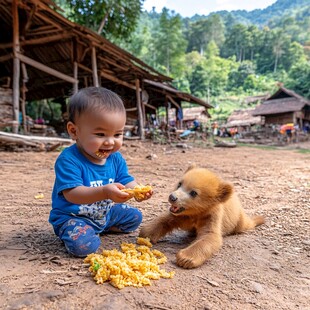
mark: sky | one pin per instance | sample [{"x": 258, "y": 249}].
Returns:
[{"x": 188, "y": 8}]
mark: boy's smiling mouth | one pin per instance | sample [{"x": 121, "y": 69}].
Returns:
[{"x": 102, "y": 153}]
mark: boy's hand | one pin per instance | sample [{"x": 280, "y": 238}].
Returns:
[
  {"x": 113, "y": 192},
  {"x": 145, "y": 196},
  {"x": 139, "y": 192}
]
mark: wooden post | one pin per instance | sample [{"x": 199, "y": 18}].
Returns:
[
  {"x": 24, "y": 90},
  {"x": 94, "y": 66},
  {"x": 16, "y": 66},
  {"x": 75, "y": 75},
  {"x": 167, "y": 110},
  {"x": 75, "y": 65},
  {"x": 167, "y": 119},
  {"x": 139, "y": 106},
  {"x": 145, "y": 99}
]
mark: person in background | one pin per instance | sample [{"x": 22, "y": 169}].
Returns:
[
  {"x": 87, "y": 199},
  {"x": 289, "y": 134},
  {"x": 196, "y": 125}
]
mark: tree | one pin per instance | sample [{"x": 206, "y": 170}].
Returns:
[
  {"x": 209, "y": 75},
  {"x": 141, "y": 42},
  {"x": 294, "y": 53},
  {"x": 238, "y": 76},
  {"x": 203, "y": 31},
  {"x": 169, "y": 43},
  {"x": 299, "y": 78},
  {"x": 110, "y": 18},
  {"x": 279, "y": 42},
  {"x": 235, "y": 42}
]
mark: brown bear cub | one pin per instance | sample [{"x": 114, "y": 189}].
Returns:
[{"x": 206, "y": 205}]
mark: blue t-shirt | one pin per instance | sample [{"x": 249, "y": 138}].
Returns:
[{"x": 73, "y": 169}]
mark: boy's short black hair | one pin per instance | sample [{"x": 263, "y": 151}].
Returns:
[{"x": 92, "y": 98}]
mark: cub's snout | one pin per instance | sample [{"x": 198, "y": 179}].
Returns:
[
  {"x": 176, "y": 206},
  {"x": 172, "y": 198}
]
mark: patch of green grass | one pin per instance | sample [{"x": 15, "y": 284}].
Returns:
[
  {"x": 303, "y": 151},
  {"x": 256, "y": 146},
  {"x": 271, "y": 147}
]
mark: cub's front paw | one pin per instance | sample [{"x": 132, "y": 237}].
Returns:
[
  {"x": 149, "y": 232},
  {"x": 186, "y": 259}
]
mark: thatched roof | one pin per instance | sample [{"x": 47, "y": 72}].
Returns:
[
  {"x": 168, "y": 89},
  {"x": 254, "y": 99},
  {"x": 283, "y": 101},
  {"x": 50, "y": 45},
  {"x": 243, "y": 118},
  {"x": 190, "y": 114}
]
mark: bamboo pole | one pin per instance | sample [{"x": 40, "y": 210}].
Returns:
[
  {"x": 180, "y": 122},
  {"x": 167, "y": 119},
  {"x": 140, "y": 115},
  {"x": 109, "y": 77},
  {"x": 16, "y": 66},
  {"x": 24, "y": 90},
  {"x": 150, "y": 106},
  {"x": 40, "y": 41},
  {"x": 45, "y": 68},
  {"x": 74, "y": 56},
  {"x": 6, "y": 57},
  {"x": 173, "y": 101},
  {"x": 75, "y": 75},
  {"x": 117, "y": 80},
  {"x": 94, "y": 67}
]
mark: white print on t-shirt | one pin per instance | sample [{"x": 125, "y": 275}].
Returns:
[
  {"x": 100, "y": 183},
  {"x": 96, "y": 183}
]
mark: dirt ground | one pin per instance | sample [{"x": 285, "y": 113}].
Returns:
[{"x": 268, "y": 268}]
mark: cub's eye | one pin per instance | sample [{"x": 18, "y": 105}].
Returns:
[
  {"x": 179, "y": 185},
  {"x": 193, "y": 194}
]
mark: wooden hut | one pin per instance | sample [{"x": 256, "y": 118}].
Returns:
[
  {"x": 44, "y": 55},
  {"x": 255, "y": 100},
  {"x": 284, "y": 106},
  {"x": 244, "y": 119},
  {"x": 190, "y": 114}
]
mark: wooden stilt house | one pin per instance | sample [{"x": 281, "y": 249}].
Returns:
[
  {"x": 284, "y": 106},
  {"x": 44, "y": 55}
]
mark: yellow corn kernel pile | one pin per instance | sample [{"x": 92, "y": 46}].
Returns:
[
  {"x": 133, "y": 266},
  {"x": 138, "y": 191}
]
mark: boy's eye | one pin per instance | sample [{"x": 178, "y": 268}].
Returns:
[
  {"x": 118, "y": 135},
  {"x": 193, "y": 194},
  {"x": 100, "y": 134}
]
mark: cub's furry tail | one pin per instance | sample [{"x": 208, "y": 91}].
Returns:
[
  {"x": 248, "y": 223},
  {"x": 258, "y": 220}
]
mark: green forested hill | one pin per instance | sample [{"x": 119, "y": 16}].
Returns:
[
  {"x": 223, "y": 57},
  {"x": 277, "y": 10}
]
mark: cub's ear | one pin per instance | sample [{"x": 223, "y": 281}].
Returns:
[
  {"x": 224, "y": 192},
  {"x": 192, "y": 166}
]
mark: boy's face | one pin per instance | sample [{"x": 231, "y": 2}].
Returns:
[{"x": 98, "y": 133}]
